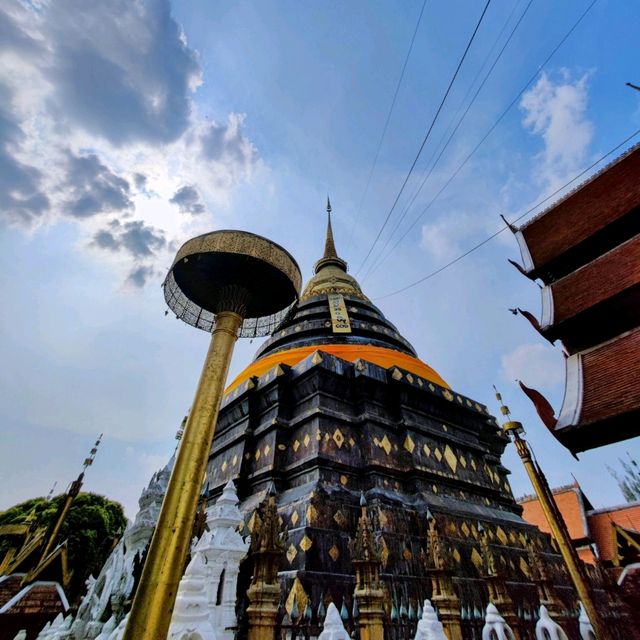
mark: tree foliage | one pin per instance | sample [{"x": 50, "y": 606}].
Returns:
[
  {"x": 629, "y": 480},
  {"x": 92, "y": 526}
]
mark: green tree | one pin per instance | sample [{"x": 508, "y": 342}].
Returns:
[
  {"x": 629, "y": 481},
  {"x": 92, "y": 527}
]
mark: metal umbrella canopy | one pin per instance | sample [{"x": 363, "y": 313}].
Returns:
[
  {"x": 229, "y": 270},
  {"x": 232, "y": 284}
]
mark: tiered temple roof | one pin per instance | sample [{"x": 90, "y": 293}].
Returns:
[{"x": 586, "y": 251}]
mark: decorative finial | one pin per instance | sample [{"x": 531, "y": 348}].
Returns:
[
  {"x": 92, "y": 454},
  {"x": 330, "y": 256}
]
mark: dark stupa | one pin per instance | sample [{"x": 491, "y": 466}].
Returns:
[{"x": 337, "y": 404}]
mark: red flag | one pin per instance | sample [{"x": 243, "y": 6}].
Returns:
[{"x": 544, "y": 409}]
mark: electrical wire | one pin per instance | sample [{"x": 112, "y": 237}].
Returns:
[
  {"x": 386, "y": 125},
  {"x": 490, "y": 131},
  {"x": 374, "y": 266},
  {"x": 504, "y": 228},
  {"x": 435, "y": 117}
]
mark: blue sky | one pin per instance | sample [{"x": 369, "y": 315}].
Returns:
[{"x": 127, "y": 127}]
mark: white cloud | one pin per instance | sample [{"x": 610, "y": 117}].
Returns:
[
  {"x": 440, "y": 239},
  {"x": 557, "y": 111},
  {"x": 103, "y": 129},
  {"x": 537, "y": 365}
]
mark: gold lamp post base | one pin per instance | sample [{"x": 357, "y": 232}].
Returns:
[{"x": 153, "y": 603}]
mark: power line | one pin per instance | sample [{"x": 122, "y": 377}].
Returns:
[
  {"x": 374, "y": 266},
  {"x": 386, "y": 125},
  {"x": 497, "y": 233},
  {"x": 491, "y": 129},
  {"x": 435, "y": 117}
]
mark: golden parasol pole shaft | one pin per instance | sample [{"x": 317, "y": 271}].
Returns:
[
  {"x": 153, "y": 603},
  {"x": 559, "y": 532}
]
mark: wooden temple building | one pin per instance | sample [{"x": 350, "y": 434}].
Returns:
[
  {"x": 375, "y": 466},
  {"x": 585, "y": 250}
]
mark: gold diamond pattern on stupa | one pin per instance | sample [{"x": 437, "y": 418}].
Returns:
[
  {"x": 462, "y": 460},
  {"x": 334, "y": 553},
  {"x": 338, "y": 438},
  {"x": 340, "y": 518},
  {"x": 473, "y": 464},
  {"x": 257, "y": 455},
  {"x": 448, "y": 395},
  {"x": 296, "y": 445},
  {"x": 292, "y": 552},
  {"x": 524, "y": 567},
  {"x": 456, "y": 555},
  {"x": 432, "y": 387},
  {"x": 294, "y": 518},
  {"x": 352, "y": 442},
  {"x": 438, "y": 454},
  {"x": 344, "y": 480},
  {"x": 382, "y": 517},
  {"x": 409, "y": 377},
  {"x": 296, "y": 595},
  {"x": 224, "y": 466},
  {"x": 427, "y": 451},
  {"x": 385, "y": 444},
  {"x": 396, "y": 374},
  {"x": 409, "y": 444},
  {"x": 451, "y": 459},
  {"x": 266, "y": 450},
  {"x": 465, "y": 529},
  {"x": 406, "y": 554},
  {"x": 306, "y": 543},
  {"x": 523, "y": 539},
  {"x": 476, "y": 558},
  {"x": 312, "y": 514},
  {"x": 502, "y": 536},
  {"x": 306, "y": 440},
  {"x": 252, "y": 521},
  {"x": 316, "y": 358},
  {"x": 234, "y": 462}
]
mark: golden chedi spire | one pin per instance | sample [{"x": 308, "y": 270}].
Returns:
[
  {"x": 331, "y": 270},
  {"x": 330, "y": 256}
]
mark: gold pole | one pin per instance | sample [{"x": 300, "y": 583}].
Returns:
[
  {"x": 556, "y": 524},
  {"x": 154, "y": 600}
]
